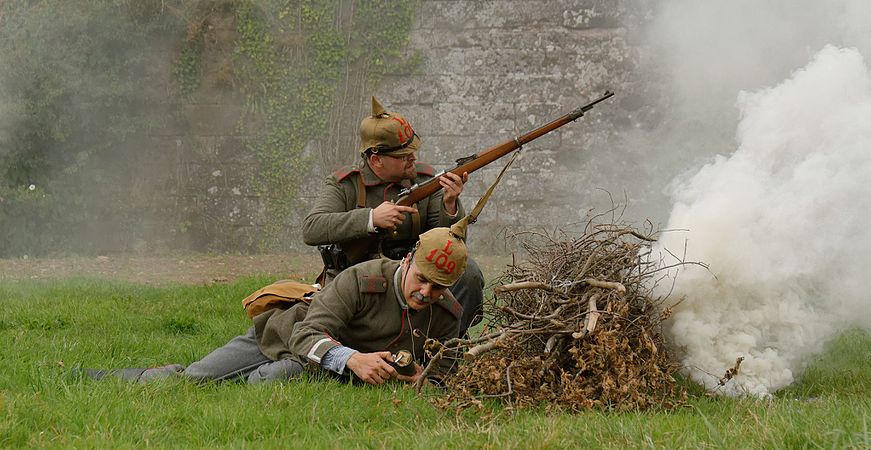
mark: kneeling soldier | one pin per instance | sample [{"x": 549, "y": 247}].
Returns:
[{"x": 356, "y": 323}]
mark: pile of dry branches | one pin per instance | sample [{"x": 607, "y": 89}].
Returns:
[{"x": 574, "y": 326}]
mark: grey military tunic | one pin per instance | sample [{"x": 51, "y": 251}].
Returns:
[
  {"x": 362, "y": 309},
  {"x": 337, "y": 219}
]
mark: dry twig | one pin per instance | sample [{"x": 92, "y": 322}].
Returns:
[{"x": 594, "y": 288}]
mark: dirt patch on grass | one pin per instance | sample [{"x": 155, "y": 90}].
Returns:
[
  {"x": 184, "y": 269},
  {"x": 163, "y": 270}
]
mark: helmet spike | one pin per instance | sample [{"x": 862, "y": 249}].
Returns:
[
  {"x": 459, "y": 228},
  {"x": 377, "y": 109}
]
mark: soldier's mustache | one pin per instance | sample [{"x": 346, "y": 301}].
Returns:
[{"x": 421, "y": 298}]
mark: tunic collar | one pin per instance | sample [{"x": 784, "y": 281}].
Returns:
[
  {"x": 397, "y": 287},
  {"x": 369, "y": 177}
]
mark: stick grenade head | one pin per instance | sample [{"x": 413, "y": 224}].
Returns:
[
  {"x": 387, "y": 133},
  {"x": 403, "y": 362},
  {"x": 441, "y": 253}
]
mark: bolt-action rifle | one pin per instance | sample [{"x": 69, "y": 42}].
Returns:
[
  {"x": 349, "y": 253},
  {"x": 469, "y": 164}
]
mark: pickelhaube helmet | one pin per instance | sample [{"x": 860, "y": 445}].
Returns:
[
  {"x": 441, "y": 253},
  {"x": 387, "y": 133}
]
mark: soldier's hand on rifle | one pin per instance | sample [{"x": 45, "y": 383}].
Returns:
[
  {"x": 453, "y": 187},
  {"x": 372, "y": 368},
  {"x": 388, "y": 215}
]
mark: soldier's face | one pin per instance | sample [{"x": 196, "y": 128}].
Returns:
[
  {"x": 398, "y": 168},
  {"x": 419, "y": 292}
]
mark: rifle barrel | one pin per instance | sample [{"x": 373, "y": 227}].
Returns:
[{"x": 417, "y": 193}]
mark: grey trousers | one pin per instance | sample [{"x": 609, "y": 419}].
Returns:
[
  {"x": 469, "y": 291},
  {"x": 239, "y": 358}
]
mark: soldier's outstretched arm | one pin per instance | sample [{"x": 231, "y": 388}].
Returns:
[{"x": 328, "y": 315}]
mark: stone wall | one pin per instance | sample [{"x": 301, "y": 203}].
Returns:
[
  {"x": 490, "y": 70},
  {"x": 212, "y": 203},
  {"x": 494, "y": 69}
]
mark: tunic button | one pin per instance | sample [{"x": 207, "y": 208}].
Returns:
[{"x": 395, "y": 233}]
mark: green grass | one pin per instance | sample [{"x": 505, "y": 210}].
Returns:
[{"x": 48, "y": 328}]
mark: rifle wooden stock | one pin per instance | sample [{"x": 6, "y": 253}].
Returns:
[{"x": 472, "y": 163}]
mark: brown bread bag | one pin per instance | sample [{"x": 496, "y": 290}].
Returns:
[{"x": 281, "y": 294}]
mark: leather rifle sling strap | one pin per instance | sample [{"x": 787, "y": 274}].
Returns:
[
  {"x": 473, "y": 216},
  {"x": 415, "y": 224},
  {"x": 361, "y": 192}
]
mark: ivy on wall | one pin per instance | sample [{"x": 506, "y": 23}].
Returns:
[
  {"x": 290, "y": 92},
  {"x": 292, "y": 56},
  {"x": 298, "y": 87},
  {"x": 384, "y": 45}
]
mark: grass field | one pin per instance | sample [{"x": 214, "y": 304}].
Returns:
[{"x": 48, "y": 327}]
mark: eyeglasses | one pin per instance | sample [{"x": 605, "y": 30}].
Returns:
[{"x": 409, "y": 157}]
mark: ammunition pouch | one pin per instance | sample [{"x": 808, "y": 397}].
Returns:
[
  {"x": 396, "y": 249},
  {"x": 334, "y": 258}
]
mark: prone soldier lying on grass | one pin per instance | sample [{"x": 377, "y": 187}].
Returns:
[{"x": 356, "y": 324}]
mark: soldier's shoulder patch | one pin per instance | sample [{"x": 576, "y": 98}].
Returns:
[
  {"x": 451, "y": 304},
  {"x": 425, "y": 169},
  {"x": 372, "y": 284},
  {"x": 345, "y": 172}
]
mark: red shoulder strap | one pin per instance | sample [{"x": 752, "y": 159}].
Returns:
[
  {"x": 346, "y": 171},
  {"x": 425, "y": 169},
  {"x": 449, "y": 303},
  {"x": 372, "y": 284}
]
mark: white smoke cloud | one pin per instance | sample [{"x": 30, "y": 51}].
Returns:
[
  {"x": 696, "y": 56},
  {"x": 782, "y": 224},
  {"x": 712, "y": 48}
]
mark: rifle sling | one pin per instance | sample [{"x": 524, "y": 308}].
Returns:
[
  {"x": 415, "y": 224},
  {"x": 473, "y": 216},
  {"x": 361, "y": 192}
]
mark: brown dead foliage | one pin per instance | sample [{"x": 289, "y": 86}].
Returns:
[{"x": 575, "y": 326}]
